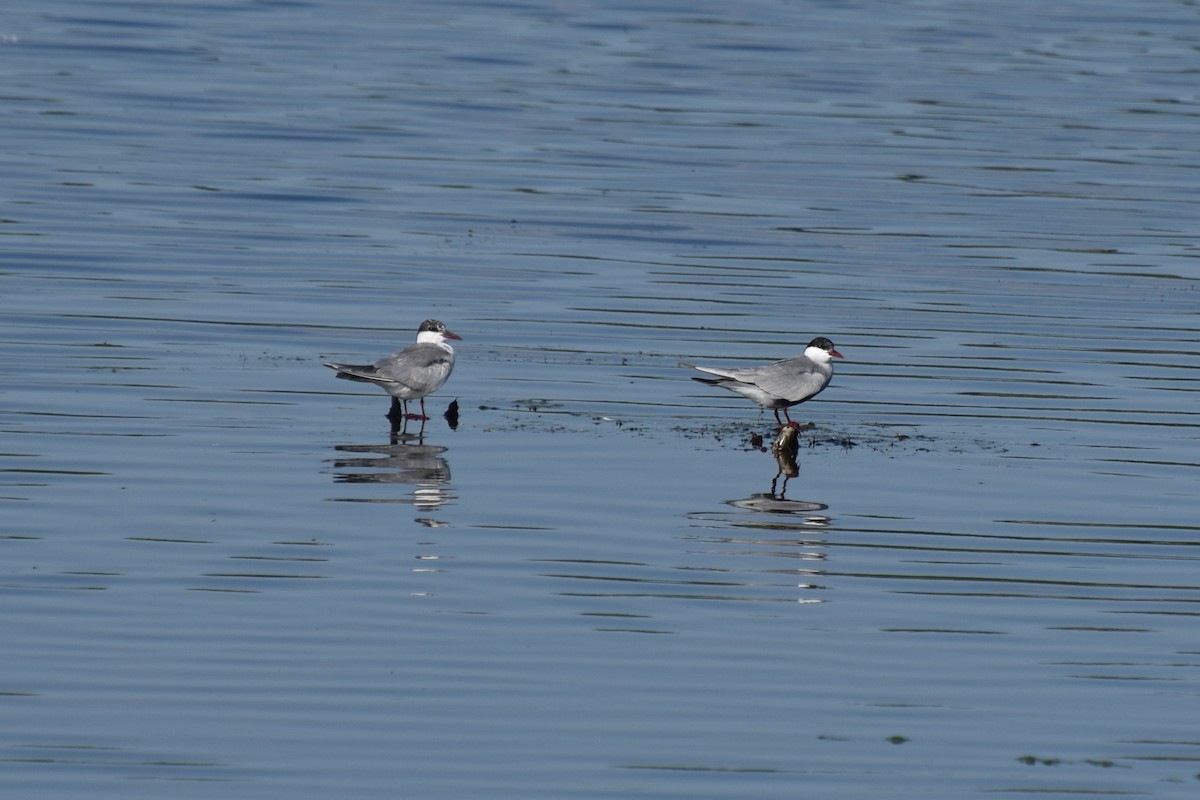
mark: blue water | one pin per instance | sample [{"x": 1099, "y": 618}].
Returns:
[{"x": 224, "y": 576}]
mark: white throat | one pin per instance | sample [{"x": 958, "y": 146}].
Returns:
[
  {"x": 435, "y": 338},
  {"x": 818, "y": 355}
]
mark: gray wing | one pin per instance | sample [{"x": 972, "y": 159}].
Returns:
[
  {"x": 793, "y": 379},
  {"x": 721, "y": 374},
  {"x": 421, "y": 368},
  {"x": 355, "y": 372}
]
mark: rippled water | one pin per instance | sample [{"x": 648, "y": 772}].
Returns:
[{"x": 225, "y": 575}]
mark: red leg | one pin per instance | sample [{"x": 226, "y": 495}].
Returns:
[{"x": 420, "y": 416}]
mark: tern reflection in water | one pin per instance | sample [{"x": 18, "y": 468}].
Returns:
[
  {"x": 402, "y": 461},
  {"x": 766, "y": 535},
  {"x": 785, "y": 449}
]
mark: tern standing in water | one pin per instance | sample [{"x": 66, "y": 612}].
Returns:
[
  {"x": 782, "y": 384},
  {"x": 413, "y": 373}
]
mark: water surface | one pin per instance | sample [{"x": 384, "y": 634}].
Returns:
[{"x": 224, "y": 574}]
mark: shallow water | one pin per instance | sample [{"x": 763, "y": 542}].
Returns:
[{"x": 223, "y": 574}]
